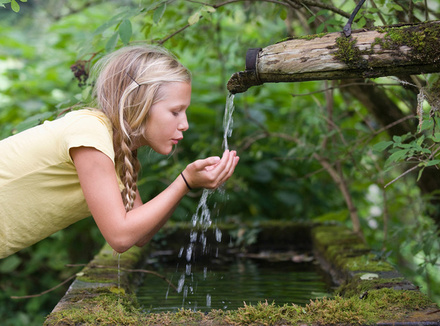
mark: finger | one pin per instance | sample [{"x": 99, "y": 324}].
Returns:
[
  {"x": 207, "y": 162},
  {"x": 228, "y": 169},
  {"x": 221, "y": 164},
  {"x": 232, "y": 168}
]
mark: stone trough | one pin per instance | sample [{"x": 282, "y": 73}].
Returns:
[{"x": 102, "y": 294}]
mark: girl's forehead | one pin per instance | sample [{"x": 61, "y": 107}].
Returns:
[
  {"x": 176, "y": 93},
  {"x": 176, "y": 89}
]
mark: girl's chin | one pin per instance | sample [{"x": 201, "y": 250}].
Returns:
[{"x": 163, "y": 151}]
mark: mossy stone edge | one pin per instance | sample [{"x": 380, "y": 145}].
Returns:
[{"x": 95, "y": 298}]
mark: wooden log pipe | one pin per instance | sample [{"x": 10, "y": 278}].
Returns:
[{"x": 385, "y": 51}]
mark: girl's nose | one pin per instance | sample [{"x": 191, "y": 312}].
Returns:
[{"x": 183, "y": 125}]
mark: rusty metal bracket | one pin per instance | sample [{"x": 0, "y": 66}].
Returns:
[{"x": 347, "y": 28}]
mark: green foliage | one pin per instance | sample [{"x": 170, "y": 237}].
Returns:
[
  {"x": 279, "y": 129},
  {"x": 15, "y": 6},
  {"x": 420, "y": 149}
]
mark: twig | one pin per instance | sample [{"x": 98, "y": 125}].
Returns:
[
  {"x": 218, "y": 5},
  {"x": 151, "y": 272},
  {"x": 345, "y": 85},
  {"x": 412, "y": 169},
  {"x": 400, "y": 176},
  {"x": 161, "y": 42},
  {"x": 388, "y": 126},
  {"x": 130, "y": 271},
  {"x": 322, "y": 5},
  {"x": 44, "y": 292}
]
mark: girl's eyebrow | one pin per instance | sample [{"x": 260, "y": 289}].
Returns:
[{"x": 179, "y": 107}]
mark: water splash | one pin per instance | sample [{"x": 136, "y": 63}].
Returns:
[
  {"x": 201, "y": 220},
  {"x": 208, "y": 300}
]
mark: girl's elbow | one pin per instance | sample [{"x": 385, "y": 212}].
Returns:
[
  {"x": 119, "y": 246},
  {"x": 119, "y": 250}
]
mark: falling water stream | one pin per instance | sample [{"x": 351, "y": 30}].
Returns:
[
  {"x": 228, "y": 120},
  {"x": 201, "y": 221}
]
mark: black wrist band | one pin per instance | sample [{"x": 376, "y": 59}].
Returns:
[{"x": 186, "y": 182}]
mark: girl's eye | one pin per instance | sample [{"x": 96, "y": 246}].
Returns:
[{"x": 175, "y": 113}]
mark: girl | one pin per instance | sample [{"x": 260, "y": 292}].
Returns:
[{"x": 85, "y": 163}]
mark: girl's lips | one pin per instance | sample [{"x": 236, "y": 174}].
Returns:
[{"x": 175, "y": 141}]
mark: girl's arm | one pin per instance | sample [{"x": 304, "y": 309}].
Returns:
[
  {"x": 147, "y": 238},
  {"x": 122, "y": 230}
]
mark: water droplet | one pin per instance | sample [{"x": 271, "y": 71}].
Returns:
[
  {"x": 193, "y": 236},
  {"x": 218, "y": 235},
  {"x": 189, "y": 252},
  {"x": 188, "y": 269},
  {"x": 203, "y": 242},
  {"x": 180, "y": 283}
]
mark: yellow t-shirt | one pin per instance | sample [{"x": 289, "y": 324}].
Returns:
[{"x": 40, "y": 191}]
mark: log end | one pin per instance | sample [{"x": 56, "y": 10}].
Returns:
[{"x": 241, "y": 81}]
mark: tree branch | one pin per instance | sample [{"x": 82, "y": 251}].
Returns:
[
  {"x": 319, "y": 4},
  {"x": 44, "y": 292}
]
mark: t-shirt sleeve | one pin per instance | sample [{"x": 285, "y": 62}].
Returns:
[{"x": 89, "y": 130}]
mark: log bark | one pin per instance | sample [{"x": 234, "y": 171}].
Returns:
[{"x": 386, "y": 51}]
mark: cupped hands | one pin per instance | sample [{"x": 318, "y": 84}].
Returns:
[{"x": 211, "y": 172}]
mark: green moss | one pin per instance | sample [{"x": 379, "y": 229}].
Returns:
[
  {"x": 348, "y": 52},
  {"x": 423, "y": 39},
  {"x": 110, "y": 309},
  {"x": 98, "y": 275},
  {"x": 334, "y": 234},
  {"x": 349, "y": 259},
  {"x": 367, "y": 263},
  {"x": 99, "y": 307},
  {"x": 421, "y": 43},
  {"x": 312, "y": 36},
  {"x": 375, "y": 307},
  {"x": 303, "y": 37},
  {"x": 358, "y": 287},
  {"x": 104, "y": 267},
  {"x": 182, "y": 317},
  {"x": 346, "y": 251}
]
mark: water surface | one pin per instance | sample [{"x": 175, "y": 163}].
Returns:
[{"x": 227, "y": 283}]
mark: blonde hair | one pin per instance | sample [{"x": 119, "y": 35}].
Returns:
[{"x": 129, "y": 83}]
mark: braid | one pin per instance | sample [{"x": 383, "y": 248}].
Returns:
[{"x": 128, "y": 167}]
